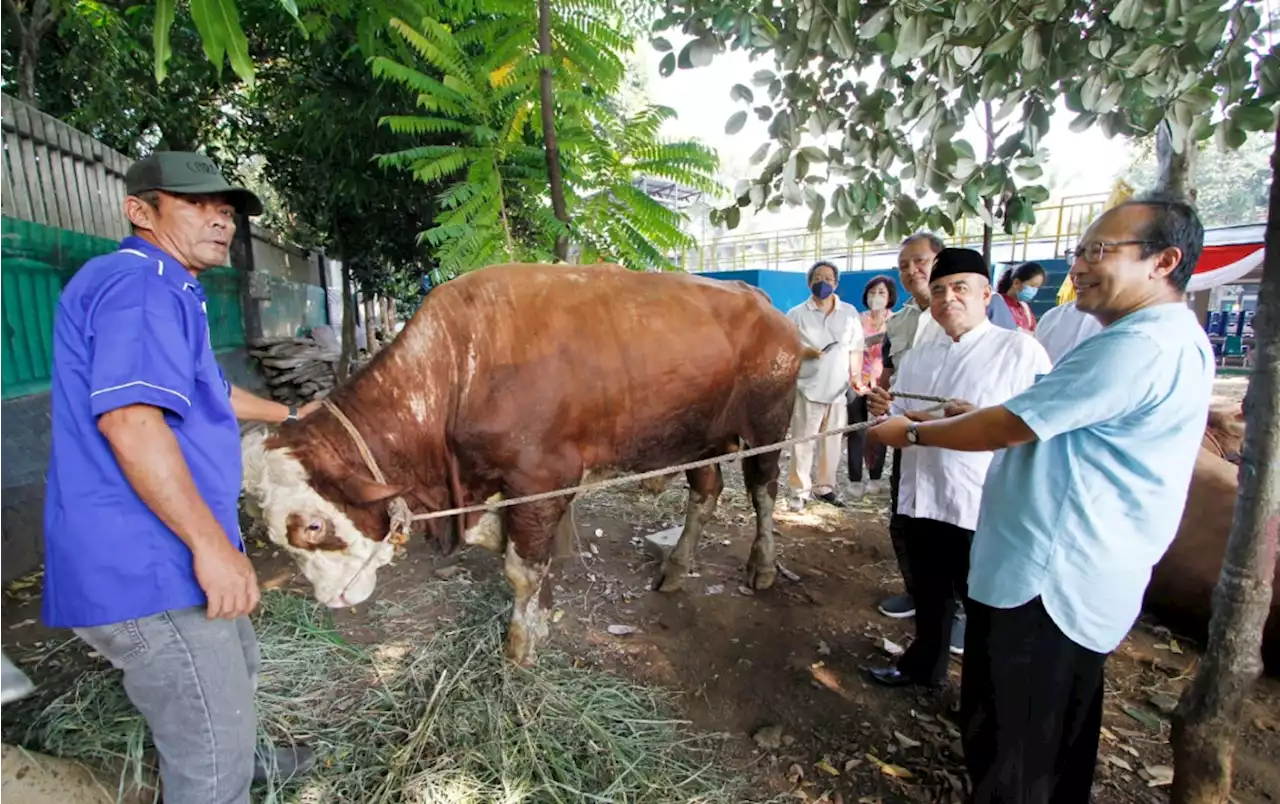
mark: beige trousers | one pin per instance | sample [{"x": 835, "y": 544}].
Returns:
[{"x": 810, "y": 418}]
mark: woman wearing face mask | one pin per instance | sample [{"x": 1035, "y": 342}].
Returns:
[
  {"x": 832, "y": 338},
  {"x": 1018, "y": 287},
  {"x": 879, "y": 298}
]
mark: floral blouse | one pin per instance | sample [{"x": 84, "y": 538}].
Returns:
[{"x": 872, "y": 356}]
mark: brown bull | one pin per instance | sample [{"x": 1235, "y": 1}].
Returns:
[
  {"x": 1182, "y": 584},
  {"x": 520, "y": 379}
]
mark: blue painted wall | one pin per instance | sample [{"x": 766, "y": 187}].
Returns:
[{"x": 788, "y": 288}]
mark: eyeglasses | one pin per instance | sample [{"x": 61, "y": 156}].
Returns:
[{"x": 1094, "y": 252}]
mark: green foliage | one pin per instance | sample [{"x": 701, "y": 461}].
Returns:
[
  {"x": 95, "y": 75},
  {"x": 477, "y": 80},
  {"x": 870, "y": 98},
  {"x": 311, "y": 121}
]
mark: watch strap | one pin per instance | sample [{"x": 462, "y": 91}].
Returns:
[{"x": 293, "y": 414}]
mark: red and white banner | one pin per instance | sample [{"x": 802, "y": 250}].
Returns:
[{"x": 1224, "y": 264}]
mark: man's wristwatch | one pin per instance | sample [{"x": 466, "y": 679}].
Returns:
[
  {"x": 913, "y": 437},
  {"x": 293, "y": 414}
]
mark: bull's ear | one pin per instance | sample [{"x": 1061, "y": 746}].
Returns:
[{"x": 364, "y": 491}]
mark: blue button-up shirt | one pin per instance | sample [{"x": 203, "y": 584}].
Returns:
[
  {"x": 131, "y": 328},
  {"x": 1081, "y": 515}
]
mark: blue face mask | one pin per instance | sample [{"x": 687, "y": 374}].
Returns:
[
  {"x": 1027, "y": 293},
  {"x": 823, "y": 290}
]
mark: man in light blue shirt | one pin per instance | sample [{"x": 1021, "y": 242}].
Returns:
[{"x": 1084, "y": 500}]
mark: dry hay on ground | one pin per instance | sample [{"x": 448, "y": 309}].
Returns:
[{"x": 434, "y": 715}]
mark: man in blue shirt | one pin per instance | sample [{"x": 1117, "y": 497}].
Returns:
[
  {"x": 1084, "y": 500},
  {"x": 143, "y": 553}
]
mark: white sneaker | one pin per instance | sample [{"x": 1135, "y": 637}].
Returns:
[
  {"x": 875, "y": 487},
  {"x": 855, "y": 491},
  {"x": 14, "y": 684}
]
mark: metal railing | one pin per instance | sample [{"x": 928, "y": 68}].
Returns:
[{"x": 1057, "y": 227}]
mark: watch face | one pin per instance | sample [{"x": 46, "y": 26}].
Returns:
[{"x": 911, "y": 434}]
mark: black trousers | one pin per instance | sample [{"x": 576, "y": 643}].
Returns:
[
  {"x": 939, "y": 553},
  {"x": 896, "y": 526},
  {"x": 857, "y": 444},
  {"x": 1031, "y": 708}
]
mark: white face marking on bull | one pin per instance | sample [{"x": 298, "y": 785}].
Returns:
[{"x": 343, "y": 567}]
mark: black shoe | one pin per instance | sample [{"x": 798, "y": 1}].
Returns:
[
  {"x": 888, "y": 676},
  {"x": 283, "y": 762},
  {"x": 829, "y": 498}
]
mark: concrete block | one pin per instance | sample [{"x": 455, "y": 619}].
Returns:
[{"x": 659, "y": 545}]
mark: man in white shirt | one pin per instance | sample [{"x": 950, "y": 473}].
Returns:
[
  {"x": 833, "y": 343},
  {"x": 941, "y": 490},
  {"x": 1063, "y": 327},
  {"x": 904, "y": 328}
]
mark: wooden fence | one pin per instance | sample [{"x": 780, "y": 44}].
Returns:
[{"x": 60, "y": 177}]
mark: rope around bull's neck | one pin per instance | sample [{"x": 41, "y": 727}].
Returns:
[{"x": 940, "y": 403}]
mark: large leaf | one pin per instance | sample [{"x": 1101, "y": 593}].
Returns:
[
  {"x": 162, "y": 26},
  {"x": 218, "y": 23}
]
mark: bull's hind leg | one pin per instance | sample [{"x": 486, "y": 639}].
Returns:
[
  {"x": 528, "y": 562},
  {"x": 760, "y": 473},
  {"x": 705, "y": 485}
]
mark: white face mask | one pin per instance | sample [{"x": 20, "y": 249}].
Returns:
[{"x": 876, "y": 302}]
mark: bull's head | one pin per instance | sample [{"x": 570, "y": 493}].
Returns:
[{"x": 339, "y": 546}]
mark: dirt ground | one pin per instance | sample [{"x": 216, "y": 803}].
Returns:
[{"x": 776, "y": 672}]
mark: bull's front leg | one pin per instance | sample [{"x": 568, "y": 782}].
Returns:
[
  {"x": 527, "y": 567},
  {"x": 705, "y": 485}
]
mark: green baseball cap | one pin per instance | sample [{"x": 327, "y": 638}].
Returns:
[{"x": 187, "y": 173}]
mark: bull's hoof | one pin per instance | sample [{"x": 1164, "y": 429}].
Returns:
[
  {"x": 672, "y": 578},
  {"x": 761, "y": 576}
]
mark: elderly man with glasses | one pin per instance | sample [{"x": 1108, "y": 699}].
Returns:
[{"x": 1081, "y": 501}]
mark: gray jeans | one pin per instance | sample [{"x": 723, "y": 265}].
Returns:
[{"x": 193, "y": 680}]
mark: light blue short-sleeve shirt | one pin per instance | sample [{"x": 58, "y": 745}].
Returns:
[{"x": 1081, "y": 515}]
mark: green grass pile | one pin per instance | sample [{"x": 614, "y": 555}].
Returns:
[{"x": 429, "y": 714}]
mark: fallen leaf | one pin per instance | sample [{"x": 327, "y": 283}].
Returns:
[
  {"x": 1128, "y": 749},
  {"x": 746, "y": 591},
  {"x": 1174, "y": 647},
  {"x": 595, "y": 551},
  {"x": 22, "y": 624},
  {"x": 1117, "y": 761},
  {"x": 890, "y": 647},
  {"x": 795, "y": 773},
  {"x": 1164, "y": 704},
  {"x": 1161, "y": 775},
  {"x": 826, "y": 767},
  {"x": 1150, "y": 721},
  {"x": 1106, "y": 733},
  {"x": 896, "y": 771},
  {"x": 557, "y": 615},
  {"x": 869, "y": 800},
  {"x": 715, "y": 588},
  {"x": 906, "y": 741},
  {"x": 850, "y": 764},
  {"x": 621, "y": 630}
]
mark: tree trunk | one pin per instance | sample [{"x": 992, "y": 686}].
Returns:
[
  {"x": 547, "y": 100},
  {"x": 348, "y": 324},
  {"x": 1175, "y": 168},
  {"x": 1208, "y": 719},
  {"x": 370, "y": 323},
  {"x": 986, "y": 202},
  {"x": 30, "y": 33}
]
